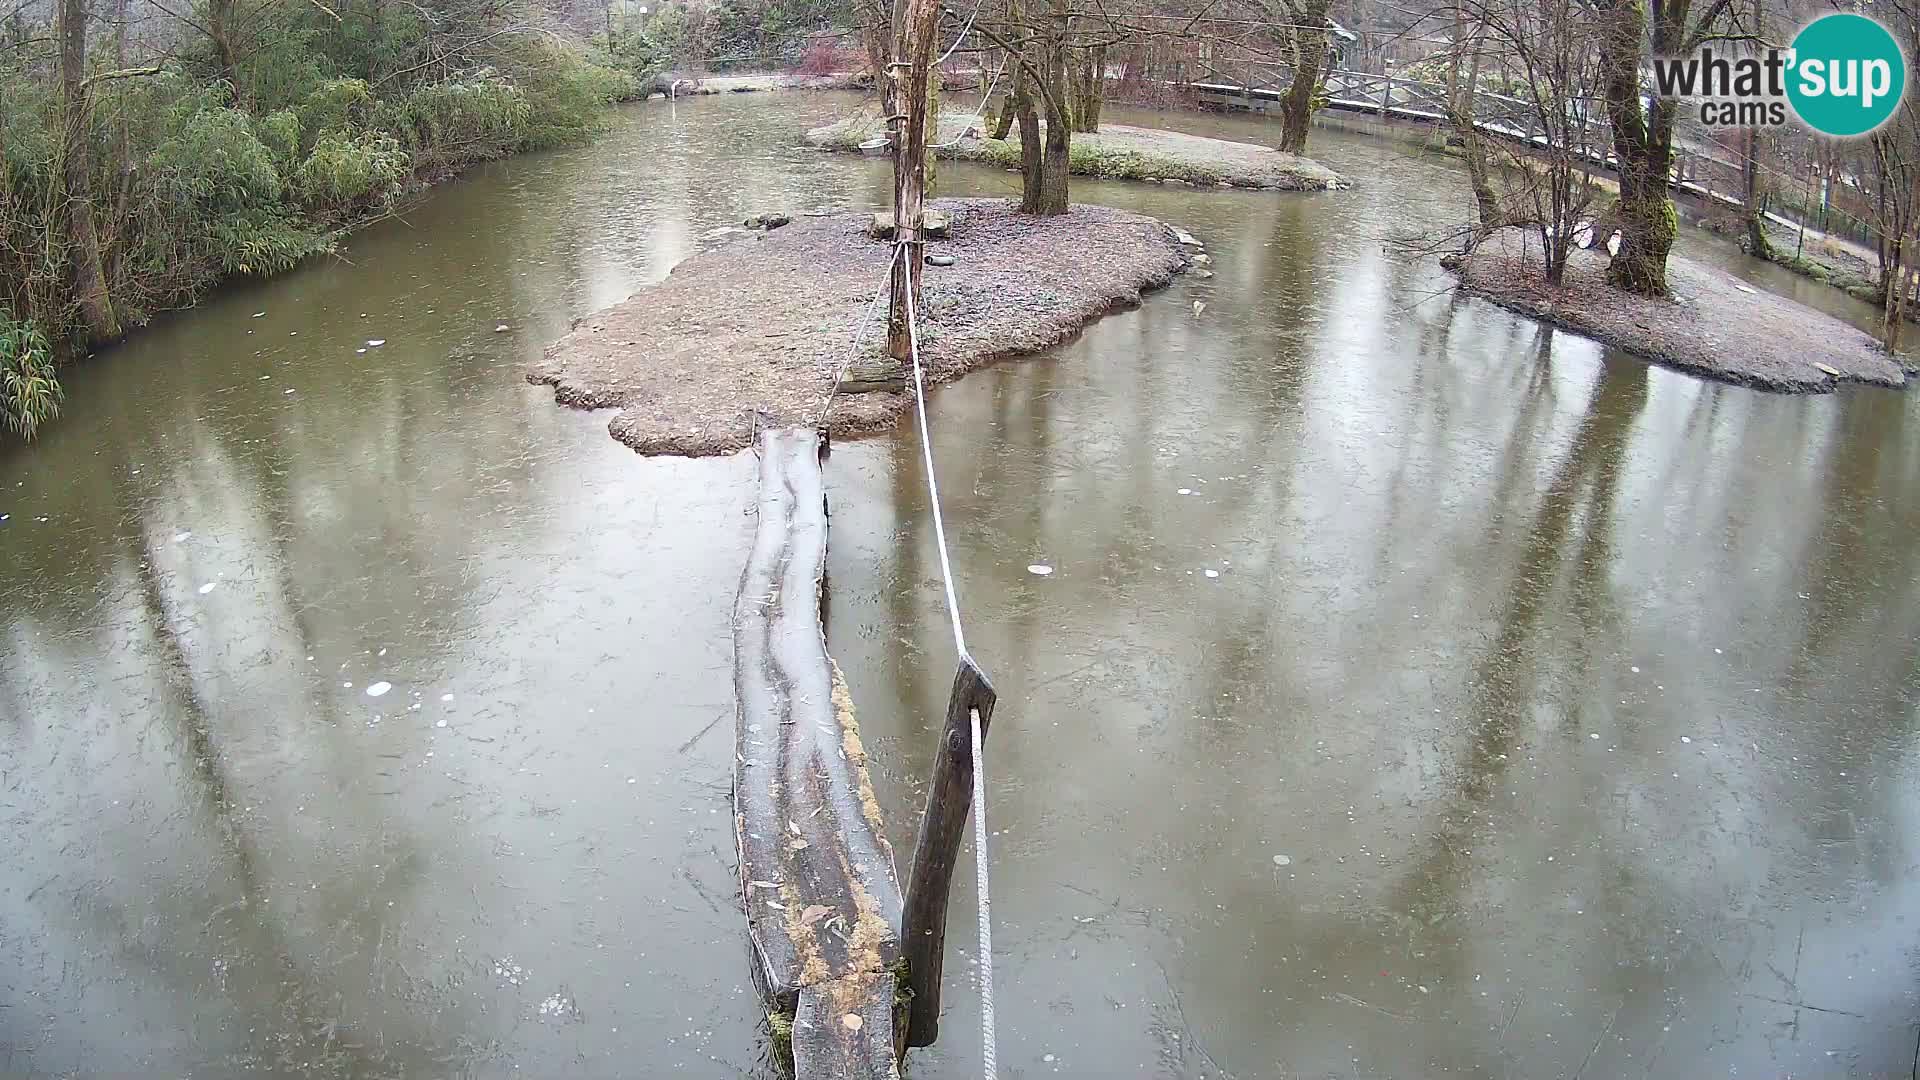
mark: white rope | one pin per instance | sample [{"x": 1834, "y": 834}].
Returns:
[
  {"x": 926, "y": 451},
  {"x": 964, "y": 31},
  {"x": 859, "y": 332},
  {"x": 979, "y": 116},
  {"x": 984, "y": 908}
]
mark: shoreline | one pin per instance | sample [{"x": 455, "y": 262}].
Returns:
[
  {"x": 422, "y": 183},
  {"x": 1713, "y": 326},
  {"x": 696, "y": 364}
]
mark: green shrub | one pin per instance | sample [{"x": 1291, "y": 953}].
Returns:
[
  {"x": 567, "y": 97},
  {"x": 336, "y": 105},
  {"x": 29, "y": 394},
  {"x": 343, "y": 172},
  {"x": 456, "y": 122},
  {"x": 261, "y": 241},
  {"x": 286, "y": 63},
  {"x": 215, "y": 161},
  {"x": 334, "y": 112},
  {"x": 279, "y": 132}
]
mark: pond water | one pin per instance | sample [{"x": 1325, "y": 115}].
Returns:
[{"x": 1416, "y": 691}]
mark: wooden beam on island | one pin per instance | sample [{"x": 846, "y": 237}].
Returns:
[{"x": 817, "y": 878}]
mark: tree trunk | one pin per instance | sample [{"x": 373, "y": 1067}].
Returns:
[
  {"x": 1089, "y": 87},
  {"x": 1309, "y": 58},
  {"x": 1053, "y": 167},
  {"x": 1460, "y": 110},
  {"x": 1030, "y": 150},
  {"x": 910, "y": 73},
  {"x": 1643, "y": 147},
  {"x": 120, "y": 164},
  {"x": 1757, "y": 243},
  {"x": 83, "y": 241},
  {"x": 1894, "y": 281},
  {"x": 930, "y": 167},
  {"x": 1044, "y": 183},
  {"x": 1003, "y": 120},
  {"x": 220, "y": 29},
  {"x": 876, "y": 39}
]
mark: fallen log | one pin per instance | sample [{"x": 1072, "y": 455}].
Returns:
[{"x": 817, "y": 878}]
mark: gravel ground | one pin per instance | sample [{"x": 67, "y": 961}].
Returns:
[
  {"x": 762, "y": 327},
  {"x": 1118, "y": 152},
  {"x": 1714, "y": 325}
]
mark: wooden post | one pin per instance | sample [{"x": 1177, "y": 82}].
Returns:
[
  {"x": 909, "y": 74},
  {"x": 923, "y": 930}
]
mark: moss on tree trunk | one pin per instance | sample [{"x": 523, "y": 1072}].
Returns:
[
  {"x": 82, "y": 236},
  {"x": 1004, "y": 113},
  {"x": 1310, "y": 55},
  {"x": 1089, "y": 88},
  {"x": 1643, "y": 147}
]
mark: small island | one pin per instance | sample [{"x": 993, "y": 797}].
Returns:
[
  {"x": 760, "y": 332},
  {"x": 1711, "y": 324},
  {"x": 1115, "y": 152}
]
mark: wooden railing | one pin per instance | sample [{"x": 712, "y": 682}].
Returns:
[{"x": 1697, "y": 171}]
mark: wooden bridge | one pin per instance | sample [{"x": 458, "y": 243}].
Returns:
[{"x": 1249, "y": 83}]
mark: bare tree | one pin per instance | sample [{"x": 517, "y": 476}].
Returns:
[
  {"x": 1469, "y": 50},
  {"x": 1549, "y": 45},
  {"x": 82, "y": 236},
  {"x": 1038, "y": 42}
]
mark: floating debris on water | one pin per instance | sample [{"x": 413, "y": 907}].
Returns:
[
  {"x": 379, "y": 689},
  {"x": 259, "y": 314},
  {"x": 502, "y": 328},
  {"x": 1184, "y": 491},
  {"x": 1039, "y": 569},
  {"x": 1283, "y": 860},
  {"x": 178, "y": 538},
  {"x": 374, "y": 343},
  {"x": 1213, "y": 573},
  {"x": 446, "y": 697},
  {"x": 209, "y": 587}
]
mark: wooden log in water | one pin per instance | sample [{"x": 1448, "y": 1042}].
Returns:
[
  {"x": 817, "y": 878},
  {"x": 924, "y": 934}
]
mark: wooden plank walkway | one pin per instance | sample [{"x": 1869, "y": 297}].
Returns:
[{"x": 817, "y": 876}]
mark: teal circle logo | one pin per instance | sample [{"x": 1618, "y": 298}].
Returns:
[{"x": 1848, "y": 75}]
